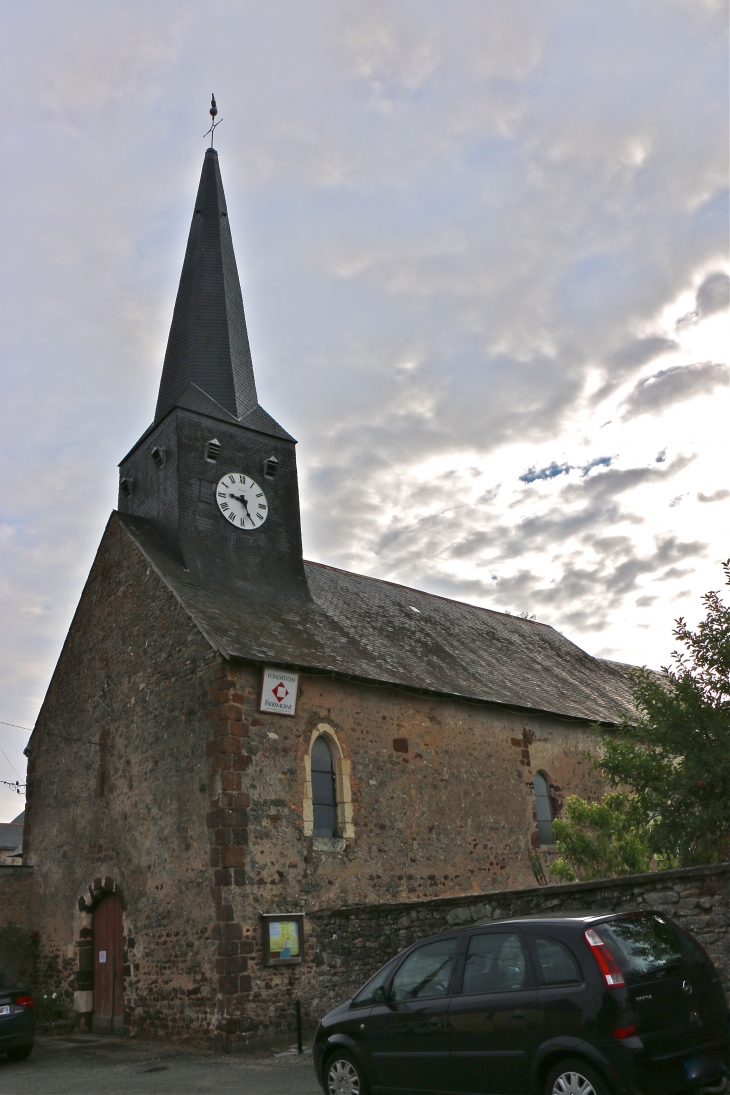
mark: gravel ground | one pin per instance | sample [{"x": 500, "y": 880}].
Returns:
[{"x": 82, "y": 1064}]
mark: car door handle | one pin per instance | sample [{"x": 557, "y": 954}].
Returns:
[
  {"x": 436, "y": 1021},
  {"x": 519, "y": 1016}
]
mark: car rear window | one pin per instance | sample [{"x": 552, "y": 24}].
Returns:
[
  {"x": 6, "y": 985},
  {"x": 646, "y": 945},
  {"x": 556, "y": 964},
  {"x": 692, "y": 953}
]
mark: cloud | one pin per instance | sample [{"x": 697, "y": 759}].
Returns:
[
  {"x": 713, "y": 296},
  {"x": 716, "y": 496},
  {"x": 675, "y": 385},
  {"x": 574, "y": 561},
  {"x": 586, "y": 594},
  {"x": 630, "y": 357},
  {"x": 642, "y": 350}
]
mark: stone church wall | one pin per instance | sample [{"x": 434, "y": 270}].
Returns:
[
  {"x": 16, "y": 891},
  {"x": 127, "y": 816}
]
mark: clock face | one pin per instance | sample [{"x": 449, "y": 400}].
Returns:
[{"x": 241, "y": 500}]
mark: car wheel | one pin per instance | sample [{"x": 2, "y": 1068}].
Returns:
[
  {"x": 344, "y": 1075},
  {"x": 574, "y": 1077},
  {"x": 19, "y": 1053}
]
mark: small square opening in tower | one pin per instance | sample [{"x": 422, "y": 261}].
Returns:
[
  {"x": 125, "y": 486},
  {"x": 213, "y": 450},
  {"x": 158, "y": 455},
  {"x": 271, "y": 467}
]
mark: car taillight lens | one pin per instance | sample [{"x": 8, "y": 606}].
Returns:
[
  {"x": 624, "y": 1032},
  {"x": 607, "y": 964},
  {"x": 24, "y": 1001}
]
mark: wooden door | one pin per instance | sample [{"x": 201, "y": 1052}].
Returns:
[{"x": 108, "y": 967}]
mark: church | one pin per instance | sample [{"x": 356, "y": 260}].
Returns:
[{"x": 234, "y": 737}]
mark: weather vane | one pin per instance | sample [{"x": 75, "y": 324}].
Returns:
[{"x": 214, "y": 123}]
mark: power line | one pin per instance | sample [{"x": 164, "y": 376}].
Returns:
[
  {"x": 17, "y": 726},
  {"x": 18, "y": 787},
  {"x": 10, "y": 762}
]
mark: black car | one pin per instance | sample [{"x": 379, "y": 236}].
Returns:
[
  {"x": 17, "y": 1023},
  {"x": 563, "y": 1005}
]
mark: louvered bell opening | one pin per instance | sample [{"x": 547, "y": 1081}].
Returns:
[
  {"x": 271, "y": 467},
  {"x": 213, "y": 451},
  {"x": 125, "y": 486},
  {"x": 158, "y": 456}
]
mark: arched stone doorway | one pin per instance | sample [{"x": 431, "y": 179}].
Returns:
[{"x": 108, "y": 966}]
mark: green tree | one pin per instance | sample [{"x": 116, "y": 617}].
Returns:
[
  {"x": 601, "y": 839},
  {"x": 668, "y": 765}
]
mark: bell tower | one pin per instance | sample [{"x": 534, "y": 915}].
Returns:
[{"x": 209, "y": 427}]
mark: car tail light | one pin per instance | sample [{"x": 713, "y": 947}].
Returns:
[
  {"x": 24, "y": 1001},
  {"x": 607, "y": 964},
  {"x": 624, "y": 1032}
]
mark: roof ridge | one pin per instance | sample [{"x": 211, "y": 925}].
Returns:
[
  {"x": 192, "y": 384},
  {"x": 438, "y": 596}
]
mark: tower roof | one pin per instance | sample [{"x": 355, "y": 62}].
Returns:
[{"x": 208, "y": 344}]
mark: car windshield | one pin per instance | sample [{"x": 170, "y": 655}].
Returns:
[
  {"x": 646, "y": 945},
  {"x": 6, "y": 985}
]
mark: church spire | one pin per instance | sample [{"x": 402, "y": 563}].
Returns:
[{"x": 208, "y": 343}]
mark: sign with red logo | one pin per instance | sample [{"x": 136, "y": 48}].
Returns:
[{"x": 279, "y": 690}]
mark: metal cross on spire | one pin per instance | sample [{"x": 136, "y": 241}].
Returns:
[{"x": 213, "y": 111}]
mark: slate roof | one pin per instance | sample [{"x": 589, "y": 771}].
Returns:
[
  {"x": 11, "y": 834},
  {"x": 208, "y": 343},
  {"x": 367, "y": 629}
]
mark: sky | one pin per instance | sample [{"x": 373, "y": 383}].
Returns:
[{"x": 483, "y": 250}]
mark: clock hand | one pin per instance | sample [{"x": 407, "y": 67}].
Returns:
[{"x": 241, "y": 498}]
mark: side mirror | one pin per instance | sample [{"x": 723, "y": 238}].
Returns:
[{"x": 379, "y": 996}]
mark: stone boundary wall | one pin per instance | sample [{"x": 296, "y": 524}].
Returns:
[
  {"x": 352, "y": 943},
  {"x": 16, "y": 888}
]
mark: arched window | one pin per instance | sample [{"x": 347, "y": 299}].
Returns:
[
  {"x": 324, "y": 790},
  {"x": 327, "y": 799},
  {"x": 543, "y": 809}
]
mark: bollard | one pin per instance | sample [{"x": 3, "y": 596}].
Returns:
[{"x": 298, "y": 1009}]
